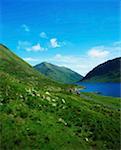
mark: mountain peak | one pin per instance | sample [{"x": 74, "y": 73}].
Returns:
[
  {"x": 45, "y": 63},
  {"x": 60, "y": 74}
]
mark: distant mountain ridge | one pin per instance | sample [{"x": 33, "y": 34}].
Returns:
[
  {"x": 60, "y": 74},
  {"x": 106, "y": 72}
]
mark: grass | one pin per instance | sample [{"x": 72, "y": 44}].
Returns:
[
  {"x": 32, "y": 119},
  {"x": 37, "y": 113}
]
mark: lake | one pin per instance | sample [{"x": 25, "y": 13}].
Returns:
[{"x": 107, "y": 89}]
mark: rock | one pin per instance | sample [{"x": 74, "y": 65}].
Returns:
[
  {"x": 63, "y": 101},
  {"x": 54, "y": 104},
  {"x": 48, "y": 98},
  {"x": 86, "y": 139},
  {"x": 63, "y": 107},
  {"x": 47, "y": 93},
  {"x": 20, "y": 96},
  {"x": 53, "y": 100},
  {"x": 38, "y": 95},
  {"x": 1, "y": 104}
]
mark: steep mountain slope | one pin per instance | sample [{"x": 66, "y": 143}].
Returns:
[
  {"x": 37, "y": 113},
  {"x": 106, "y": 72},
  {"x": 60, "y": 74},
  {"x": 17, "y": 68}
]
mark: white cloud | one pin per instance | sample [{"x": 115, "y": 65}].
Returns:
[
  {"x": 84, "y": 63},
  {"x": 54, "y": 43},
  {"x": 25, "y": 45},
  {"x": 81, "y": 63},
  {"x": 30, "y": 59},
  {"x": 43, "y": 35},
  {"x": 117, "y": 46},
  {"x": 36, "y": 48},
  {"x": 25, "y": 27},
  {"x": 98, "y": 52},
  {"x": 76, "y": 63},
  {"x": 106, "y": 51}
]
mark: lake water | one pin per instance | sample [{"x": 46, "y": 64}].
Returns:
[{"x": 107, "y": 89}]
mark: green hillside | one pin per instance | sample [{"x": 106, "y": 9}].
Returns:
[
  {"x": 19, "y": 69},
  {"x": 60, "y": 74},
  {"x": 37, "y": 113},
  {"x": 106, "y": 72}
]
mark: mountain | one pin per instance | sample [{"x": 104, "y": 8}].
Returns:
[
  {"x": 60, "y": 74},
  {"x": 12, "y": 65},
  {"x": 38, "y": 113},
  {"x": 106, "y": 72}
]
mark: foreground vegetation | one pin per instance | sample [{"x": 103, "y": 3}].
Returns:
[
  {"x": 37, "y": 113},
  {"x": 51, "y": 119}
]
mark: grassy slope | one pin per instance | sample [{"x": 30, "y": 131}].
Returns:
[
  {"x": 17, "y": 68},
  {"x": 60, "y": 74},
  {"x": 41, "y": 114}
]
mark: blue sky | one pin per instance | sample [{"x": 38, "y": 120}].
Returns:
[{"x": 78, "y": 34}]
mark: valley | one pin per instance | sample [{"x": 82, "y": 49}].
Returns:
[{"x": 39, "y": 113}]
